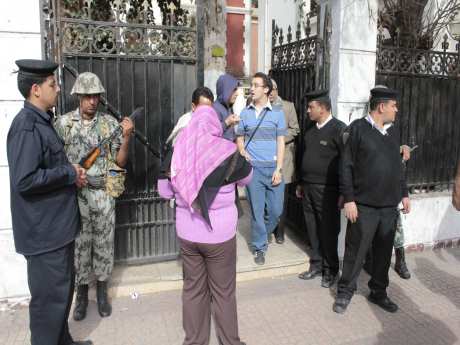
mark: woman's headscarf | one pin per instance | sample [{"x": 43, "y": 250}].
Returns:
[{"x": 198, "y": 151}]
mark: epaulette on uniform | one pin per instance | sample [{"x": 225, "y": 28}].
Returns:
[{"x": 28, "y": 122}]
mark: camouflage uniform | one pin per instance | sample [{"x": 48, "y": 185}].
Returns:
[
  {"x": 399, "y": 236},
  {"x": 94, "y": 247}
]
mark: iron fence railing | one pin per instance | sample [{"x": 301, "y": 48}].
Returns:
[{"x": 429, "y": 86}]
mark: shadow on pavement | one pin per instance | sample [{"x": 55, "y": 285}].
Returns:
[
  {"x": 82, "y": 330},
  {"x": 438, "y": 281},
  {"x": 410, "y": 325}
]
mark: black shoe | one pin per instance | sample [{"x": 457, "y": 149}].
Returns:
[
  {"x": 279, "y": 239},
  {"x": 310, "y": 274},
  {"x": 400, "y": 264},
  {"x": 328, "y": 280},
  {"x": 259, "y": 257},
  {"x": 81, "y": 303},
  {"x": 383, "y": 302},
  {"x": 340, "y": 305},
  {"x": 83, "y": 342},
  {"x": 103, "y": 305}
]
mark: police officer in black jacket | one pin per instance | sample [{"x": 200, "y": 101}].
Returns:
[
  {"x": 43, "y": 204},
  {"x": 372, "y": 184},
  {"x": 319, "y": 188}
]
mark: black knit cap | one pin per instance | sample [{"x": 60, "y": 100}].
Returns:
[
  {"x": 319, "y": 95},
  {"x": 36, "y": 68},
  {"x": 383, "y": 94}
]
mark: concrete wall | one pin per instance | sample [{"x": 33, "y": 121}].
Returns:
[{"x": 20, "y": 38}]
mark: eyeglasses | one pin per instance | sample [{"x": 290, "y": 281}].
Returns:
[{"x": 255, "y": 86}]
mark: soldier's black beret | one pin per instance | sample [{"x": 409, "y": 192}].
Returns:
[
  {"x": 36, "y": 68},
  {"x": 383, "y": 93},
  {"x": 319, "y": 95}
]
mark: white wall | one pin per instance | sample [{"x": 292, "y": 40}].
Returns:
[
  {"x": 432, "y": 219},
  {"x": 20, "y": 38}
]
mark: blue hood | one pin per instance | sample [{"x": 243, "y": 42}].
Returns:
[{"x": 225, "y": 86}]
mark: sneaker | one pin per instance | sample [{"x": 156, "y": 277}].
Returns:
[{"x": 259, "y": 257}]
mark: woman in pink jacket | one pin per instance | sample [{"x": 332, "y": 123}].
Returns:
[{"x": 202, "y": 177}]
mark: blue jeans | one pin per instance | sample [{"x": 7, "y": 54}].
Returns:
[{"x": 263, "y": 197}]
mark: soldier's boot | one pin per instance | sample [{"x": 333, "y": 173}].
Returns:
[
  {"x": 400, "y": 263},
  {"x": 103, "y": 305},
  {"x": 81, "y": 304}
]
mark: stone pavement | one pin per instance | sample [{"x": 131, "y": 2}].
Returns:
[
  {"x": 288, "y": 311},
  {"x": 289, "y": 258}
]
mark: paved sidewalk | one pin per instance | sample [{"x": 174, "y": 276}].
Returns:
[{"x": 289, "y": 311}]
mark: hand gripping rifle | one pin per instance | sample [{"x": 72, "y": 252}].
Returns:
[
  {"x": 117, "y": 115},
  {"x": 88, "y": 160}
]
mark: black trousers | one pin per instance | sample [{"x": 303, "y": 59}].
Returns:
[
  {"x": 374, "y": 228},
  {"x": 51, "y": 278},
  {"x": 322, "y": 218}
]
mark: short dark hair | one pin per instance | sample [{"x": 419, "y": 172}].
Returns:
[
  {"x": 25, "y": 83},
  {"x": 325, "y": 103},
  {"x": 267, "y": 82},
  {"x": 202, "y": 91},
  {"x": 374, "y": 103}
]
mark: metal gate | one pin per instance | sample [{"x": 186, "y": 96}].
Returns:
[
  {"x": 140, "y": 64},
  {"x": 301, "y": 65},
  {"x": 429, "y": 85}
]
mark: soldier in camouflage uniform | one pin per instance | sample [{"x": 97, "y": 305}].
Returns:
[{"x": 83, "y": 129}]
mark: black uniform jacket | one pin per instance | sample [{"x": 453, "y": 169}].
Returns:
[
  {"x": 42, "y": 184},
  {"x": 372, "y": 168}
]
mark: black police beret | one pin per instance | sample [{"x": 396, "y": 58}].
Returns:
[
  {"x": 384, "y": 93},
  {"x": 319, "y": 95},
  {"x": 36, "y": 68}
]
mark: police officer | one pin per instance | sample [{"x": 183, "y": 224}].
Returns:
[
  {"x": 83, "y": 129},
  {"x": 372, "y": 185},
  {"x": 319, "y": 187},
  {"x": 44, "y": 208}
]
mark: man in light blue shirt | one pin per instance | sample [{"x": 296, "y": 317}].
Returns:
[{"x": 260, "y": 138}]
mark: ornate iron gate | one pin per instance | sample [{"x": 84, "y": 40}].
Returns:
[
  {"x": 429, "y": 84},
  {"x": 299, "y": 66},
  {"x": 140, "y": 64}
]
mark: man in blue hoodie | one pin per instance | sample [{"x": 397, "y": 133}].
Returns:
[{"x": 227, "y": 91}]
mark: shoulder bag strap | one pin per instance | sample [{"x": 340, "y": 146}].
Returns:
[{"x": 257, "y": 127}]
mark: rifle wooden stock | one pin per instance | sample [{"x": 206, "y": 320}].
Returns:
[{"x": 88, "y": 161}]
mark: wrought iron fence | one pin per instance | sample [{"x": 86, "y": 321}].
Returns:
[
  {"x": 429, "y": 86},
  {"x": 400, "y": 59}
]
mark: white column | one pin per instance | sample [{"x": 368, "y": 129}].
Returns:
[
  {"x": 263, "y": 30},
  {"x": 247, "y": 38},
  {"x": 353, "y": 56}
]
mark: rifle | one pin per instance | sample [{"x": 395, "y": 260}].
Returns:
[
  {"x": 115, "y": 113},
  {"x": 88, "y": 160}
]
